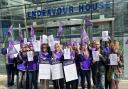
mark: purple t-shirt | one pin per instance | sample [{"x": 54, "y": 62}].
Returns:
[{"x": 85, "y": 64}]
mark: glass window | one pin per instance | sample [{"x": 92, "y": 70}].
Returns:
[{"x": 52, "y": 31}]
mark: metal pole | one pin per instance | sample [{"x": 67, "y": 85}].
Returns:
[
  {"x": 25, "y": 21},
  {"x": 112, "y": 23},
  {"x": 113, "y": 8},
  {"x": 91, "y": 8}
]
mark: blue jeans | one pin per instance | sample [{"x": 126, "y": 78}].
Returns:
[
  {"x": 20, "y": 79},
  {"x": 10, "y": 74},
  {"x": 87, "y": 74},
  {"x": 32, "y": 80},
  {"x": 100, "y": 81}
]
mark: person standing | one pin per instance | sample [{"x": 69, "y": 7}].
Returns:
[
  {"x": 31, "y": 78},
  {"x": 117, "y": 69},
  {"x": 93, "y": 67},
  {"x": 21, "y": 66},
  {"x": 44, "y": 57},
  {"x": 73, "y": 84},
  {"x": 76, "y": 49},
  {"x": 59, "y": 58},
  {"x": 9, "y": 53},
  {"x": 100, "y": 67},
  {"x": 85, "y": 65}
]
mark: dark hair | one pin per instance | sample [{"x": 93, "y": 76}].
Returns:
[{"x": 42, "y": 46}]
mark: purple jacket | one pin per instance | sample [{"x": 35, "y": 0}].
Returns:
[
  {"x": 58, "y": 56},
  {"x": 10, "y": 60},
  {"x": 25, "y": 65},
  {"x": 21, "y": 66},
  {"x": 85, "y": 63},
  {"x": 107, "y": 51},
  {"x": 33, "y": 65},
  {"x": 44, "y": 56}
]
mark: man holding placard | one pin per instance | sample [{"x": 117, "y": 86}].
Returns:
[{"x": 99, "y": 65}]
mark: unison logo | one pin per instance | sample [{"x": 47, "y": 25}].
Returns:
[{"x": 68, "y": 10}]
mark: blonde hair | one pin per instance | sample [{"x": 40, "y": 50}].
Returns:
[{"x": 117, "y": 45}]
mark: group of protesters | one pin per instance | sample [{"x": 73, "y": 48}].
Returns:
[
  {"x": 103, "y": 74},
  {"x": 67, "y": 65}
]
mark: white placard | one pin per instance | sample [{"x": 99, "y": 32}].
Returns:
[
  {"x": 57, "y": 71},
  {"x": 67, "y": 53},
  {"x": 25, "y": 40},
  {"x": 105, "y": 35},
  {"x": 52, "y": 48},
  {"x": 45, "y": 39},
  {"x": 30, "y": 55},
  {"x": 113, "y": 59},
  {"x": 34, "y": 38},
  {"x": 51, "y": 40},
  {"x": 17, "y": 47},
  {"x": 70, "y": 72},
  {"x": 37, "y": 45},
  {"x": 44, "y": 71},
  {"x": 95, "y": 55}
]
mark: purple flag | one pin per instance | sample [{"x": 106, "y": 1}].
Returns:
[
  {"x": 87, "y": 22},
  {"x": 84, "y": 36},
  {"x": 11, "y": 48},
  {"x": 11, "y": 44},
  {"x": 32, "y": 31},
  {"x": 10, "y": 30},
  {"x": 60, "y": 30}
]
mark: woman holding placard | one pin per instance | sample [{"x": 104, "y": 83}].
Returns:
[
  {"x": 70, "y": 71},
  {"x": 116, "y": 65},
  {"x": 85, "y": 64},
  {"x": 31, "y": 64},
  {"x": 44, "y": 66},
  {"x": 57, "y": 70},
  {"x": 21, "y": 65},
  {"x": 76, "y": 49}
]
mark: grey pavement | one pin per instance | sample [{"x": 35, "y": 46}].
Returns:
[{"x": 3, "y": 78}]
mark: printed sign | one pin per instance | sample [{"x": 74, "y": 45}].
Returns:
[
  {"x": 113, "y": 59},
  {"x": 44, "y": 71},
  {"x": 70, "y": 72}
]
